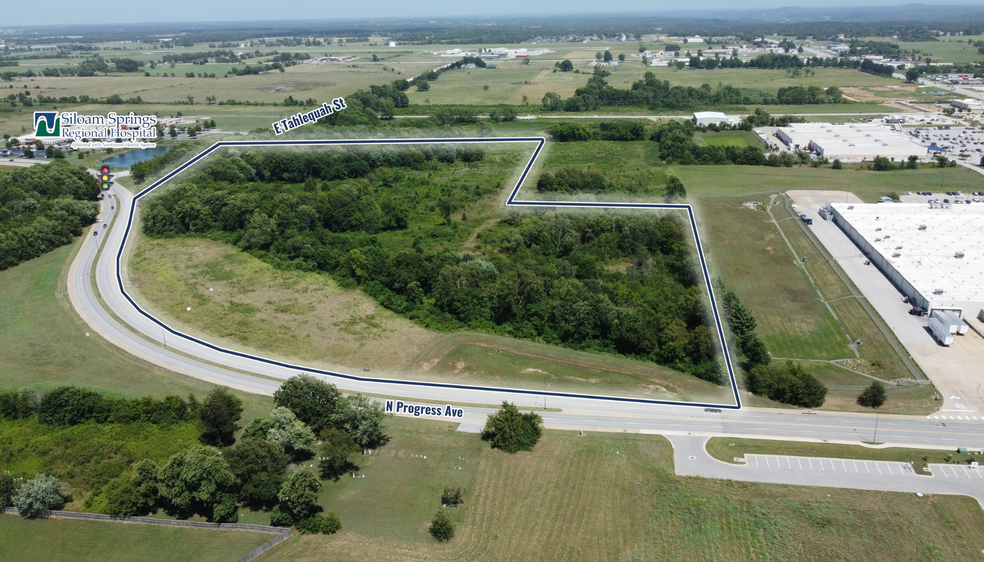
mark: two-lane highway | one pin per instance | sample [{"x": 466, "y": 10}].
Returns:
[{"x": 111, "y": 315}]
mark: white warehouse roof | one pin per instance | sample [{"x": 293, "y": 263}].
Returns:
[
  {"x": 853, "y": 141},
  {"x": 940, "y": 251},
  {"x": 710, "y": 118}
]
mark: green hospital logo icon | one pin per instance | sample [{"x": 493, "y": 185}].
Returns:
[{"x": 52, "y": 124}]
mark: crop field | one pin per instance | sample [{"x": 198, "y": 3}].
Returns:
[
  {"x": 29, "y": 540},
  {"x": 43, "y": 342},
  {"x": 612, "y": 497}
]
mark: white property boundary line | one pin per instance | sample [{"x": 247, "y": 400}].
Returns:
[{"x": 510, "y": 202}]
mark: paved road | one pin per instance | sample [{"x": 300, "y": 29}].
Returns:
[
  {"x": 131, "y": 331},
  {"x": 691, "y": 459}
]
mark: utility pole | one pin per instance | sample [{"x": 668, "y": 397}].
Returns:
[
  {"x": 164, "y": 335},
  {"x": 875, "y": 438}
]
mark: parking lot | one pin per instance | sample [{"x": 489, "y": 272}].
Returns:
[
  {"x": 813, "y": 464},
  {"x": 962, "y": 143},
  {"x": 943, "y": 197},
  {"x": 956, "y": 471}
]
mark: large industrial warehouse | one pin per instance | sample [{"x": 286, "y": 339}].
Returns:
[
  {"x": 933, "y": 255},
  {"x": 853, "y": 142}
]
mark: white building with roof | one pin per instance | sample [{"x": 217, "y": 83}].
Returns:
[
  {"x": 935, "y": 256},
  {"x": 852, "y": 142},
  {"x": 710, "y": 118}
]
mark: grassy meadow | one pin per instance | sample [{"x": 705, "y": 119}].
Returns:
[
  {"x": 28, "y": 540},
  {"x": 611, "y": 497},
  {"x": 43, "y": 342}
]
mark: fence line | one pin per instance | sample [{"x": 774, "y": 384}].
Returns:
[{"x": 282, "y": 533}]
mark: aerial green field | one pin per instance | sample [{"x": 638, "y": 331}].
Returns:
[
  {"x": 729, "y": 138},
  {"x": 946, "y": 49},
  {"x": 27, "y": 540},
  {"x": 758, "y": 267},
  {"x": 604, "y": 497},
  {"x": 44, "y": 345},
  {"x": 881, "y": 360},
  {"x": 634, "y": 168},
  {"x": 710, "y": 181}
]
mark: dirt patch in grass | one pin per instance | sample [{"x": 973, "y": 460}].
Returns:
[
  {"x": 237, "y": 299},
  {"x": 879, "y": 93}
]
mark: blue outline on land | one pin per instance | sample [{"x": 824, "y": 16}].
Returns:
[{"x": 510, "y": 202}]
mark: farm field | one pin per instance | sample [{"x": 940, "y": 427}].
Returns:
[
  {"x": 43, "y": 343},
  {"x": 28, "y": 540},
  {"x": 611, "y": 497}
]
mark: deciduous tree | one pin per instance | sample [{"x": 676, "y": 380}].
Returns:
[
  {"x": 218, "y": 415},
  {"x": 873, "y": 396},
  {"x": 512, "y": 431},
  {"x": 38, "y": 496},
  {"x": 312, "y": 400}
]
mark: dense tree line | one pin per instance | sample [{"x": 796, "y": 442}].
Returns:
[
  {"x": 42, "y": 208},
  {"x": 798, "y": 95},
  {"x": 214, "y": 478},
  {"x": 872, "y": 67},
  {"x": 656, "y": 94},
  {"x": 675, "y": 142},
  {"x": 540, "y": 277},
  {"x": 648, "y": 92}
]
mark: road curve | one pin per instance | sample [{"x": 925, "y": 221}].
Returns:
[{"x": 113, "y": 317}]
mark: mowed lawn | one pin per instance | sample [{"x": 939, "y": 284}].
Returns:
[
  {"x": 43, "y": 341},
  {"x": 747, "y": 252},
  {"x": 612, "y": 497},
  {"x": 30, "y": 540}
]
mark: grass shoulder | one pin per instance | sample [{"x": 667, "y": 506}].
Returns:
[{"x": 28, "y": 540}]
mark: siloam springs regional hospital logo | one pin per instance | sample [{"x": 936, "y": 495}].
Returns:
[
  {"x": 90, "y": 131},
  {"x": 52, "y": 124}
]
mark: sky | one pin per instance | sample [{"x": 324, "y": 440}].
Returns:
[{"x": 60, "y": 12}]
